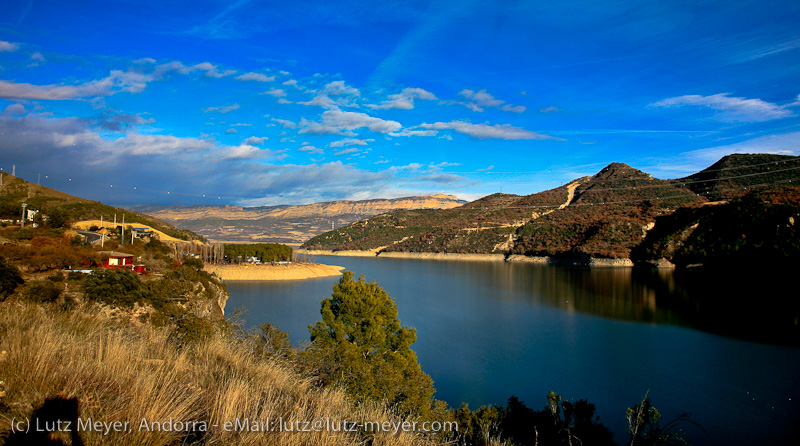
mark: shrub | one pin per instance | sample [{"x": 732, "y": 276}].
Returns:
[
  {"x": 191, "y": 330},
  {"x": 10, "y": 278},
  {"x": 115, "y": 287},
  {"x": 42, "y": 291}
]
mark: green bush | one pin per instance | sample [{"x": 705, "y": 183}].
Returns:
[
  {"x": 10, "y": 278},
  {"x": 191, "y": 330},
  {"x": 115, "y": 287},
  {"x": 42, "y": 291}
]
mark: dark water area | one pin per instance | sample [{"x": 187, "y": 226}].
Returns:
[{"x": 490, "y": 330}]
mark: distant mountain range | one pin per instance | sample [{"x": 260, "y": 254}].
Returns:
[
  {"x": 285, "y": 224},
  {"x": 609, "y": 215}
]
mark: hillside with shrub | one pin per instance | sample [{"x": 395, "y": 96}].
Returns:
[
  {"x": 62, "y": 208},
  {"x": 607, "y": 215},
  {"x": 732, "y": 175}
]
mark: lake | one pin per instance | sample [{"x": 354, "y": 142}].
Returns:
[{"x": 490, "y": 330}]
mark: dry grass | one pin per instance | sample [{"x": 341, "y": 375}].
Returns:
[{"x": 126, "y": 372}]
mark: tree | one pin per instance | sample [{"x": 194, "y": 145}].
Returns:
[{"x": 361, "y": 345}]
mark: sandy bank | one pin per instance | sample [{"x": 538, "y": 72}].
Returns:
[
  {"x": 325, "y": 252},
  {"x": 406, "y": 255},
  {"x": 444, "y": 256},
  {"x": 294, "y": 271}
]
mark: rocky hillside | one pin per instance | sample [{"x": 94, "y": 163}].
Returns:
[
  {"x": 607, "y": 215},
  {"x": 286, "y": 224},
  {"x": 733, "y": 174},
  {"x": 15, "y": 191}
]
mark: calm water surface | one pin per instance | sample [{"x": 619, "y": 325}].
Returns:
[{"x": 486, "y": 331}]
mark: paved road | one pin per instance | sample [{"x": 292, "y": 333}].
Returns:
[{"x": 90, "y": 237}]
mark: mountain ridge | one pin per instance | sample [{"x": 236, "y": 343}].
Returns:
[
  {"x": 287, "y": 223},
  {"x": 607, "y": 215}
]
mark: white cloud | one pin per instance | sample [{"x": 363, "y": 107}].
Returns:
[
  {"x": 37, "y": 56},
  {"x": 231, "y": 132},
  {"x": 258, "y": 77},
  {"x": 311, "y": 149},
  {"x": 408, "y": 132},
  {"x": 335, "y": 94},
  {"x": 145, "y": 60},
  {"x": 138, "y": 144},
  {"x": 283, "y": 101},
  {"x": 550, "y": 109},
  {"x": 14, "y": 109},
  {"x": 285, "y": 123},
  {"x": 346, "y": 151},
  {"x": 486, "y": 131},
  {"x": 8, "y": 46},
  {"x": 479, "y": 100},
  {"x": 277, "y": 92},
  {"x": 350, "y": 142},
  {"x": 254, "y": 140},
  {"x": 486, "y": 169},
  {"x": 513, "y": 108},
  {"x": 730, "y": 109},
  {"x": 244, "y": 151},
  {"x": 222, "y": 109},
  {"x": 211, "y": 70},
  {"x": 116, "y": 82},
  {"x": 405, "y": 99},
  {"x": 337, "y": 122},
  {"x": 291, "y": 82}
]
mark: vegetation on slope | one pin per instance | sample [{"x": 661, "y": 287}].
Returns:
[
  {"x": 733, "y": 175},
  {"x": 67, "y": 208},
  {"x": 757, "y": 228}
]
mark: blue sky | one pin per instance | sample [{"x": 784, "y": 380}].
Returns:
[{"x": 260, "y": 103}]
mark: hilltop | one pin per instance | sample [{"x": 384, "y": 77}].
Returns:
[
  {"x": 607, "y": 215},
  {"x": 56, "y": 204},
  {"x": 286, "y": 224},
  {"x": 732, "y": 174}
]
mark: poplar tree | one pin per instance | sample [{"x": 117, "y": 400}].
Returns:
[{"x": 361, "y": 345}]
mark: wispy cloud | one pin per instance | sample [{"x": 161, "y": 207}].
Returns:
[
  {"x": 258, "y": 77},
  {"x": 336, "y": 94},
  {"x": 277, "y": 92},
  {"x": 350, "y": 142},
  {"x": 478, "y": 101},
  {"x": 730, "y": 109},
  {"x": 222, "y": 109},
  {"x": 486, "y": 131},
  {"x": 349, "y": 151},
  {"x": 255, "y": 140},
  {"x": 404, "y": 100},
  {"x": 312, "y": 149},
  {"x": 8, "y": 46},
  {"x": 337, "y": 122}
]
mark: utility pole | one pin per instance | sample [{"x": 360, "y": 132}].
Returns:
[
  {"x": 39, "y": 180},
  {"x": 24, "y": 205},
  {"x": 122, "y": 237},
  {"x": 102, "y": 234}
]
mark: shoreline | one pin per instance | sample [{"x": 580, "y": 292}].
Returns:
[
  {"x": 542, "y": 260},
  {"x": 294, "y": 271}
]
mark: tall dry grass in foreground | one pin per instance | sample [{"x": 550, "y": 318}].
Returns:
[{"x": 125, "y": 372}]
